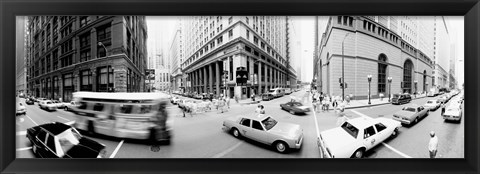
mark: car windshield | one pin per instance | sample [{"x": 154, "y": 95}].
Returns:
[
  {"x": 396, "y": 96},
  {"x": 296, "y": 104},
  {"x": 271, "y": 90},
  {"x": 269, "y": 123},
  {"x": 409, "y": 109},
  {"x": 68, "y": 139},
  {"x": 350, "y": 129}
]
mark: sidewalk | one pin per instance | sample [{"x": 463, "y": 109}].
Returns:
[{"x": 374, "y": 102}]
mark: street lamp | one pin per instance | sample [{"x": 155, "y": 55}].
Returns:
[
  {"x": 101, "y": 44},
  {"x": 343, "y": 68},
  {"x": 369, "y": 77},
  {"x": 389, "y": 88}
]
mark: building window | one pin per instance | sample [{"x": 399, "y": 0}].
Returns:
[
  {"x": 220, "y": 40},
  {"x": 382, "y": 73},
  {"x": 85, "y": 40},
  {"x": 55, "y": 59},
  {"x": 129, "y": 80},
  {"x": 48, "y": 63},
  {"x": 66, "y": 46},
  {"x": 104, "y": 34},
  {"x": 66, "y": 31},
  {"x": 255, "y": 40},
  {"x": 248, "y": 34},
  {"x": 407, "y": 76},
  {"x": 84, "y": 20},
  {"x": 339, "y": 19},
  {"x": 230, "y": 33},
  {"x": 105, "y": 79},
  {"x": 67, "y": 86},
  {"x": 66, "y": 61},
  {"x": 86, "y": 80},
  {"x": 55, "y": 87},
  {"x": 85, "y": 55},
  {"x": 230, "y": 20}
]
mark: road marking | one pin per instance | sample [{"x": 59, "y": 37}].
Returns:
[
  {"x": 316, "y": 122},
  {"x": 70, "y": 123},
  {"x": 63, "y": 118},
  {"x": 396, "y": 151},
  {"x": 362, "y": 115},
  {"x": 116, "y": 149},
  {"x": 23, "y": 149},
  {"x": 32, "y": 120},
  {"x": 219, "y": 155},
  {"x": 21, "y": 133},
  {"x": 385, "y": 144}
]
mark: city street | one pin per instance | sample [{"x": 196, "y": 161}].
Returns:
[{"x": 201, "y": 135}]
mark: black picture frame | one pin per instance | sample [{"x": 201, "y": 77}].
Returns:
[{"x": 9, "y": 9}]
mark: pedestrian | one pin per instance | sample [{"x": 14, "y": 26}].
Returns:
[
  {"x": 443, "y": 108},
  {"x": 236, "y": 98},
  {"x": 262, "y": 109},
  {"x": 433, "y": 145},
  {"x": 327, "y": 103},
  {"x": 227, "y": 101},
  {"x": 253, "y": 96},
  {"x": 221, "y": 104}
]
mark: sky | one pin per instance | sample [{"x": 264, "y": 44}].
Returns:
[{"x": 161, "y": 29}]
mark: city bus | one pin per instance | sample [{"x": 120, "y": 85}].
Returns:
[{"x": 124, "y": 115}]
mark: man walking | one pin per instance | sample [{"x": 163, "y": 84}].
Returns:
[{"x": 433, "y": 144}]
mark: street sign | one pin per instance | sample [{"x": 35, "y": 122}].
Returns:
[{"x": 150, "y": 74}]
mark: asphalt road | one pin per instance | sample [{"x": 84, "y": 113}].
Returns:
[{"x": 201, "y": 135}]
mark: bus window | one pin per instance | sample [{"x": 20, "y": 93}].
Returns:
[
  {"x": 145, "y": 109},
  {"x": 83, "y": 105},
  {"x": 98, "y": 107},
  {"x": 126, "y": 109}
]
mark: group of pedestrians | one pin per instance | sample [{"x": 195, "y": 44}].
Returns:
[
  {"x": 324, "y": 101},
  {"x": 221, "y": 104}
]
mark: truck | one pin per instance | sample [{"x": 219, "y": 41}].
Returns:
[{"x": 433, "y": 92}]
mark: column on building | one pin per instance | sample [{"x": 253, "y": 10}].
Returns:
[
  {"x": 267, "y": 80},
  {"x": 226, "y": 62},
  {"x": 250, "y": 74},
  {"x": 210, "y": 78},
  {"x": 205, "y": 79},
  {"x": 259, "y": 77},
  {"x": 219, "y": 77}
]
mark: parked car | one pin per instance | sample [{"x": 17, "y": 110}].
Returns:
[
  {"x": 432, "y": 104},
  {"x": 70, "y": 105},
  {"x": 401, "y": 98},
  {"x": 410, "y": 114},
  {"x": 264, "y": 129},
  {"x": 267, "y": 96},
  {"x": 29, "y": 101},
  {"x": 59, "y": 104},
  {"x": 58, "y": 140},
  {"x": 47, "y": 104},
  {"x": 21, "y": 109},
  {"x": 442, "y": 99},
  {"x": 288, "y": 91},
  {"x": 453, "y": 112},
  {"x": 295, "y": 107},
  {"x": 356, "y": 136}
]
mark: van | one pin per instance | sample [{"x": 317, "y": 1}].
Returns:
[
  {"x": 401, "y": 98},
  {"x": 277, "y": 92}
]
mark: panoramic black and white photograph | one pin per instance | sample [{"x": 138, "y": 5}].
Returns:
[{"x": 240, "y": 87}]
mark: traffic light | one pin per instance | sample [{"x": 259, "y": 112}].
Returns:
[
  {"x": 341, "y": 85},
  {"x": 340, "y": 80}
]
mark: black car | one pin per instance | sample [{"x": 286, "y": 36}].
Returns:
[
  {"x": 295, "y": 107},
  {"x": 58, "y": 140},
  {"x": 401, "y": 98},
  {"x": 29, "y": 101},
  {"x": 266, "y": 97}
]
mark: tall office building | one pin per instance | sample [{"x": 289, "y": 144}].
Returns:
[
  {"x": 86, "y": 53},
  {"x": 21, "y": 54},
  {"x": 176, "y": 57},
  {"x": 215, "y": 45},
  {"x": 441, "y": 52}
]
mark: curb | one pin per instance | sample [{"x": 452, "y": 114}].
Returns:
[{"x": 364, "y": 106}]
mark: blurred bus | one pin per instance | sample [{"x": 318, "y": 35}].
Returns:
[{"x": 124, "y": 115}]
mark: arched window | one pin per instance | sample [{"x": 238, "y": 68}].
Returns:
[
  {"x": 407, "y": 76},
  {"x": 382, "y": 73}
]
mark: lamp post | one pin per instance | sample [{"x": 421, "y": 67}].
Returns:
[
  {"x": 389, "y": 87},
  {"x": 343, "y": 68},
  {"x": 101, "y": 44},
  {"x": 369, "y": 77}
]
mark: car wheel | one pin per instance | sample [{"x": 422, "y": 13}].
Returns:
[
  {"x": 153, "y": 136},
  {"x": 292, "y": 112},
  {"x": 90, "y": 128},
  {"x": 358, "y": 154},
  {"x": 65, "y": 108},
  {"x": 416, "y": 120},
  {"x": 395, "y": 132},
  {"x": 236, "y": 133},
  {"x": 281, "y": 147}
]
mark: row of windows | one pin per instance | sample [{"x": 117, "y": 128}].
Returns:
[{"x": 380, "y": 31}]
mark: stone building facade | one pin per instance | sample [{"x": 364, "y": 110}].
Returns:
[
  {"x": 369, "y": 48},
  {"x": 86, "y": 53}
]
